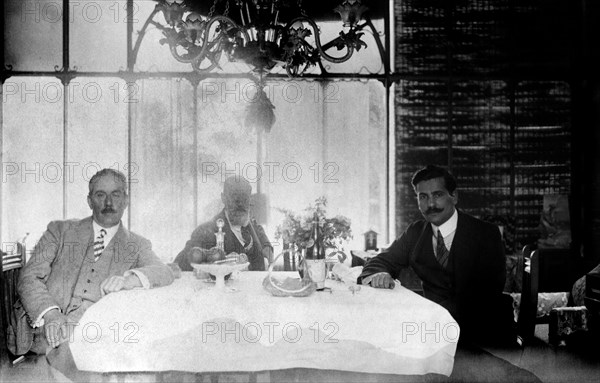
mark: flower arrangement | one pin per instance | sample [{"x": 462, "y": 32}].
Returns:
[{"x": 296, "y": 229}]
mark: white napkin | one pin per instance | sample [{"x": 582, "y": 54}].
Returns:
[{"x": 346, "y": 274}]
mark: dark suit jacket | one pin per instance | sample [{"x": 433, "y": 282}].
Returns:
[
  {"x": 204, "y": 237},
  {"x": 470, "y": 288},
  {"x": 52, "y": 272}
]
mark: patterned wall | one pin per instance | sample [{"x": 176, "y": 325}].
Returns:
[{"x": 483, "y": 91}]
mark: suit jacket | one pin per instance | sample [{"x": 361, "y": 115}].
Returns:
[
  {"x": 54, "y": 269},
  {"x": 471, "y": 285},
  {"x": 204, "y": 237}
]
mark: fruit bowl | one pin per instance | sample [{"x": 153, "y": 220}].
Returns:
[{"x": 220, "y": 270}]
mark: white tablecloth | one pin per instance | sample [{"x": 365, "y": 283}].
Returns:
[{"x": 190, "y": 326}]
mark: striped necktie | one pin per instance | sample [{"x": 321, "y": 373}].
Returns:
[
  {"x": 99, "y": 245},
  {"x": 442, "y": 252}
]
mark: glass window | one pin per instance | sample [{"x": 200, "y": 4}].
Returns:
[
  {"x": 97, "y": 135},
  {"x": 32, "y": 158},
  {"x": 315, "y": 149},
  {"x": 319, "y": 148},
  {"x": 162, "y": 197},
  {"x": 98, "y": 35},
  {"x": 33, "y": 34}
]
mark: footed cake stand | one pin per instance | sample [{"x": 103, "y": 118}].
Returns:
[{"x": 219, "y": 271}]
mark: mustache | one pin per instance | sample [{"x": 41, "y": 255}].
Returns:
[
  {"x": 108, "y": 210},
  {"x": 432, "y": 210}
]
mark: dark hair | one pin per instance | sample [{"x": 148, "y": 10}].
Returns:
[
  {"x": 105, "y": 172},
  {"x": 430, "y": 172}
]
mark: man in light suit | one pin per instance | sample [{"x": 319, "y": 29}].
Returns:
[
  {"x": 75, "y": 263},
  {"x": 459, "y": 258}
]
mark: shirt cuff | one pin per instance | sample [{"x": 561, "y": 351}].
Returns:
[
  {"x": 39, "y": 322},
  {"x": 141, "y": 276}
]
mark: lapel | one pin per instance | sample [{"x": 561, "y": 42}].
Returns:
[
  {"x": 120, "y": 250},
  {"x": 83, "y": 236},
  {"x": 233, "y": 242},
  {"x": 119, "y": 238},
  {"x": 461, "y": 257},
  {"x": 421, "y": 245}
]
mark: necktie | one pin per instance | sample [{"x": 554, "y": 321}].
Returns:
[
  {"x": 99, "y": 244},
  {"x": 442, "y": 252}
]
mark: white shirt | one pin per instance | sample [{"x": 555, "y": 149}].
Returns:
[
  {"x": 110, "y": 232},
  {"x": 448, "y": 229},
  {"x": 236, "y": 229}
]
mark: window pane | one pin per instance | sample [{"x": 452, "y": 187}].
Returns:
[
  {"x": 314, "y": 149},
  {"x": 225, "y": 145},
  {"x": 32, "y": 171},
  {"x": 98, "y": 35},
  {"x": 33, "y": 34},
  {"x": 97, "y": 136},
  {"x": 337, "y": 154},
  {"x": 152, "y": 56},
  {"x": 162, "y": 205}
]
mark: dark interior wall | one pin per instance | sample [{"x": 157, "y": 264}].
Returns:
[
  {"x": 591, "y": 136},
  {"x": 587, "y": 130},
  {"x": 506, "y": 93}
]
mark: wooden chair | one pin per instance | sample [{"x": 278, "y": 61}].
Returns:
[
  {"x": 550, "y": 270},
  {"x": 11, "y": 265}
]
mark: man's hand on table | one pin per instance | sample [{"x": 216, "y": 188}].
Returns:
[
  {"x": 56, "y": 327},
  {"x": 380, "y": 280},
  {"x": 118, "y": 283}
]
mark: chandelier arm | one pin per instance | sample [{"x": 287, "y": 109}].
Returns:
[
  {"x": 377, "y": 38},
  {"x": 200, "y": 55},
  {"x": 335, "y": 60},
  {"x": 213, "y": 63}
]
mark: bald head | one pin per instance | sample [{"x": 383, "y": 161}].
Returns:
[{"x": 237, "y": 184}]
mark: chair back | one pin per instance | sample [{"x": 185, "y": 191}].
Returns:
[
  {"x": 554, "y": 268},
  {"x": 550, "y": 270},
  {"x": 10, "y": 267}
]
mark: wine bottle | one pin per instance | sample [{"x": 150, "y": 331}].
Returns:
[
  {"x": 315, "y": 249},
  {"x": 314, "y": 262}
]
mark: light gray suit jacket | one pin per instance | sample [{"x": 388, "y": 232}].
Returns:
[{"x": 52, "y": 272}]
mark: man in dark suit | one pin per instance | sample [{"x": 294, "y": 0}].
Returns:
[
  {"x": 75, "y": 263},
  {"x": 242, "y": 234},
  {"x": 459, "y": 258}
]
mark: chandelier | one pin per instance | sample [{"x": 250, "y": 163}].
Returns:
[{"x": 260, "y": 33}]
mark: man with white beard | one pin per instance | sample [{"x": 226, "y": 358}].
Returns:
[{"x": 242, "y": 234}]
